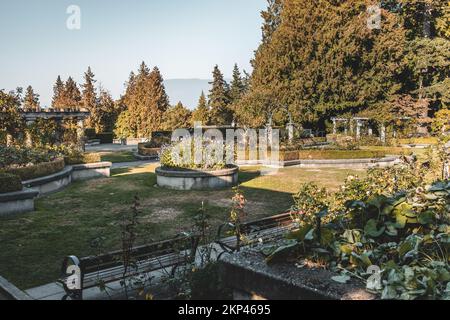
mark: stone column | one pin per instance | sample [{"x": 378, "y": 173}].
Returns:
[
  {"x": 290, "y": 129},
  {"x": 383, "y": 133},
  {"x": 334, "y": 126},
  {"x": 80, "y": 135},
  {"x": 358, "y": 129},
  {"x": 269, "y": 134},
  {"x": 28, "y": 140}
]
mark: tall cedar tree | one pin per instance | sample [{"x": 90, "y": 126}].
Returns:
[
  {"x": 11, "y": 121},
  {"x": 323, "y": 60},
  {"x": 108, "y": 111},
  {"x": 177, "y": 117},
  {"x": 201, "y": 113},
  {"x": 31, "y": 100},
  {"x": 219, "y": 99},
  {"x": 72, "y": 95},
  {"x": 237, "y": 87},
  {"x": 89, "y": 101},
  {"x": 146, "y": 100},
  {"x": 58, "y": 93}
]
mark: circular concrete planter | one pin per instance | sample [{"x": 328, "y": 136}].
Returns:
[{"x": 197, "y": 180}]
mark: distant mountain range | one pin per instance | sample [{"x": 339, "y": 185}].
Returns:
[{"x": 187, "y": 91}]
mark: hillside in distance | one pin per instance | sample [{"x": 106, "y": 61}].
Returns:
[{"x": 186, "y": 90}]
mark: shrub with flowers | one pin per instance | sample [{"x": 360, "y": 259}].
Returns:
[{"x": 187, "y": 154}]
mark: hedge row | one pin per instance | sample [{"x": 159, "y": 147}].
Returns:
[
  {"x": 9, "y": 183},
  {"x": 339, "y": 154},
  {"x": 83, "y": 158},
  {"x": 38, "y": 170},
  {"x": 105, "y": 137},
  {"x": 390, "y": 150}
]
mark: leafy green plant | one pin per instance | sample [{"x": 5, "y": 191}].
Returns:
[
  {"x": 391, "y": 219},
  {"x": 182, "y": 155}
]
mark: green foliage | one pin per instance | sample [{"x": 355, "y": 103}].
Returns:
[
  {"x": 36, "y": 170},
  {"x": 16, "y": 157},
  {"x": 44, "y": 132},
  {"x": 340, "y": 154},
  {"x": 181, "y": 155},
  {"x": 89, "y": 133},
  {"x": 201, "y": 113},
  {"x": 76, "y": 157},
  {"x": 219, "y": 100},
  {"x": 89, "y": 100},
  {"x": 123, "y": 127},
  {"x": 146, "y": 101},
  {"x": 148, "y": 150},
  {"x": 31, "y": 100},
  {"x": 105, "y": 137},
  {"x": 321, "y": 58},
  {"x": 441, "y": 122},
  {"x": 9, "y": 183},
  {"x": 177, "y": 117},
  {"x": 390, "y": 219},
  {"x": 11, "y": 121}
]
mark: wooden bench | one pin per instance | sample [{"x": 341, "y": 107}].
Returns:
[
  {"x": 258, "y": 231},
  {"x": 88, "y": 272},
  {"x": 175, "y": 252}
]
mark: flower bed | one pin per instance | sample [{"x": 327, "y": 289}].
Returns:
[
  {"x": 37, "y": 170},
  {"x": 82, "y": 158},
  {"x": 340, "y": 154},
  {"x": 148, "y": 150},
  {"x": 180, "y": 171}
]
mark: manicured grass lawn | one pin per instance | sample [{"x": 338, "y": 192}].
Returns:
[
  {"x": 117, "y": 157},
  {"x": 33, "y": 245}
]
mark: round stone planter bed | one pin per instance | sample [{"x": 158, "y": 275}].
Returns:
[{"x": 197, "y": 179}]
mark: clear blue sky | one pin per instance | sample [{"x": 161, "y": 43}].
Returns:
[{"x": 184, "y": 38}]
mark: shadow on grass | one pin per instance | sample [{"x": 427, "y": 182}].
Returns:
[{"x": 33, "y": 245}]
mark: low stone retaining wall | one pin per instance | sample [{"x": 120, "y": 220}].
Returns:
[
  {"x": 17, "y": 202},
  {"x": 10, "y": 292},
  {"x": 251, "y": 278},
  {"x": 52, "y": 183},
  {"x": 197, "y": 180},
  {"x": 341, "y": 163},
  {"x": 91, "y": 170},
  {"x": 23, "y": 201}
]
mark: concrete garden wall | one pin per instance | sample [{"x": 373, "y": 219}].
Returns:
[
  {"x": 251, "y": 278},
  {"x": 91, "y": 170},
  {"x": 197, "y": 180},
  {"x": 17, "y": 202},
  {"x": 23, "y": 201},
  {"x": 341, "y": 163}
]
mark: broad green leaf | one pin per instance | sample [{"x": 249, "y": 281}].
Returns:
[
  {"x": 282, "y": 251},
  {"x": 371, "y": 229},
  {"x": 301, "y": 233},
  {"x": 341, "y": 279},
  {"x": 426, "y": 217}
]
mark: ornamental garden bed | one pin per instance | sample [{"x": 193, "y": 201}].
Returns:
[
  {"x": 190, "y": 179},
  {"x": 146, "y": 150}
]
